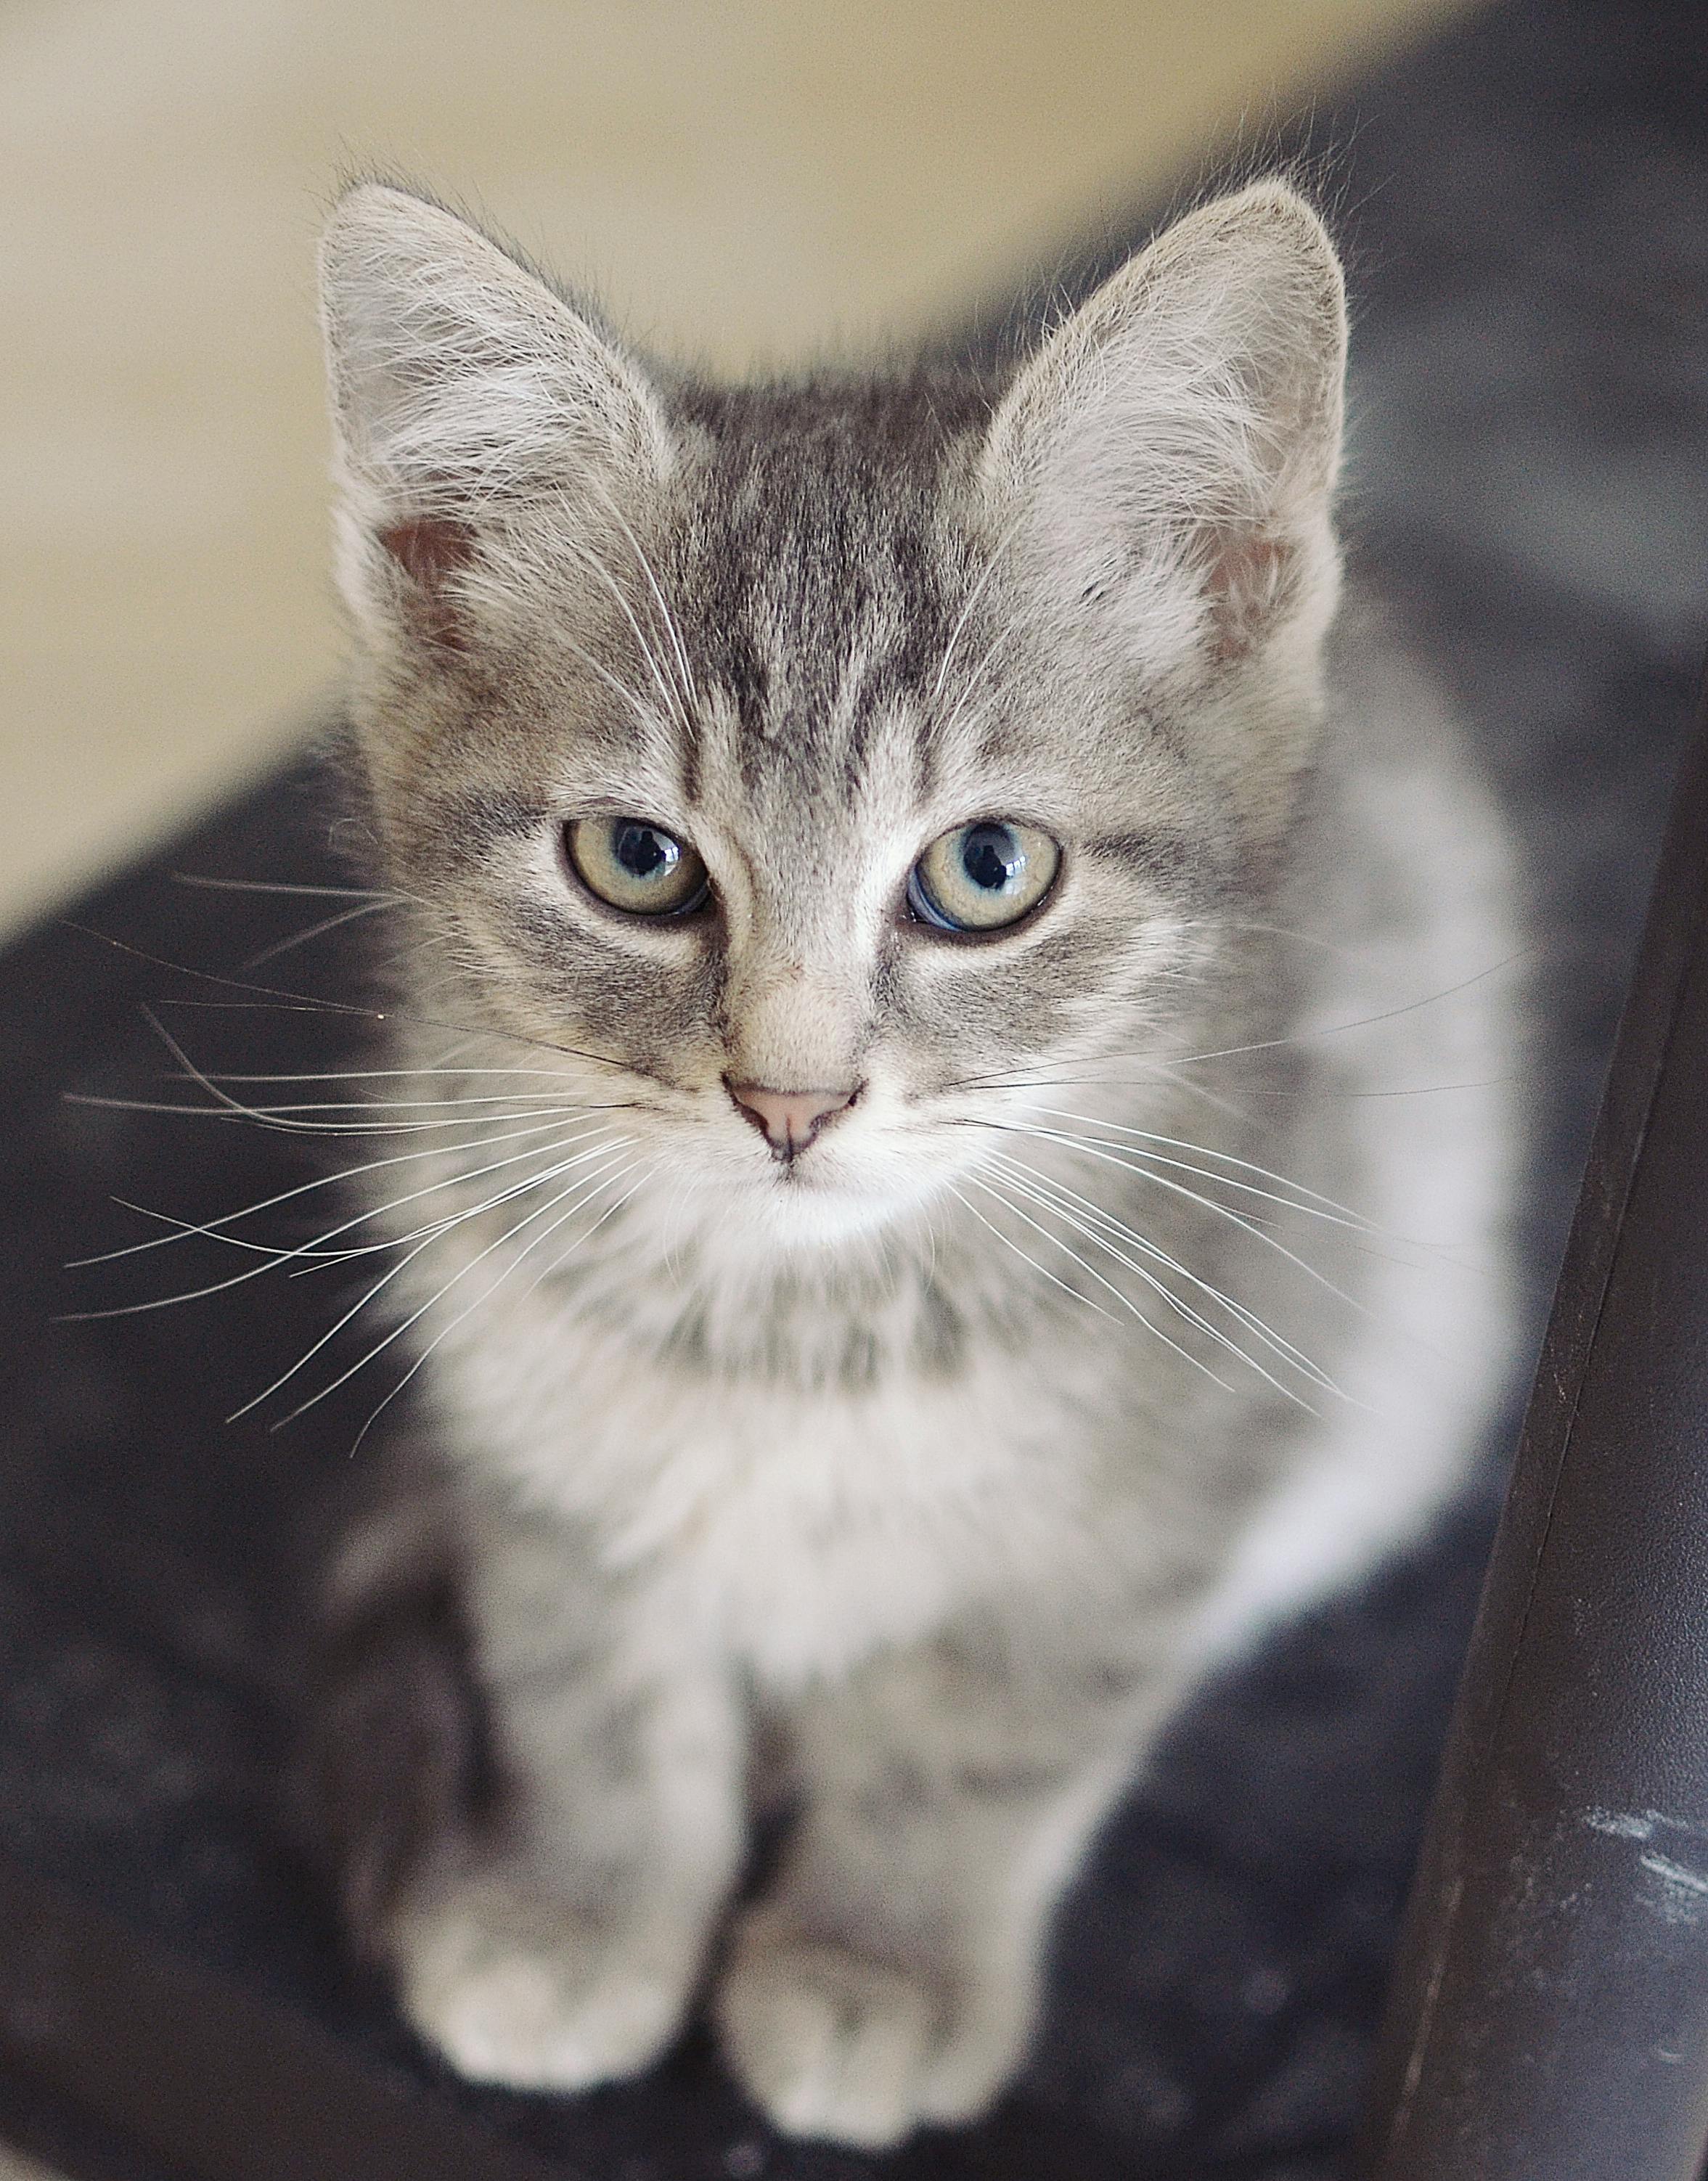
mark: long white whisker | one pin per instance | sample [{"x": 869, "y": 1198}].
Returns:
[
  {"x": 520, "y": 1187},
  {"x": 276, "y": 885},
  {"x": 315, "y": 932},
  {"x": 270, "y": 998},
  {"x": 1077, "y": 1208},
  {"x": 1010, "y": 1242},
  {"x": 609, "y": 1152},
  {"x": 558, "y": 1263},
  {"x": 373, "y": 1075},
  {"x": 555, "y": 1265},
  {"x": 301, "y": 1188},
  {"x": 315, "y": 1249},
  {"x": 636, "y": 703},
  {"x": 314, "y": 1255},
  {"x": 1364, "y": 1022},
  {"x": 1118, "y": 1155},
  {"x": 957, "y": 710},
  {"x": 524, "y": 1105},
  {"x": 282, "y": 1119},
  {"x": 1339, "y": 1214},
  {"x": 1017, "y": 1079},
  {"x": 382, "y": 1283},
  {"x": 672, "y": 700},
  {"x": 1125, "y": 1301}
]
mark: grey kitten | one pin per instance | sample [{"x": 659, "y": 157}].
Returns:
[{"x": 911, "y": 924}]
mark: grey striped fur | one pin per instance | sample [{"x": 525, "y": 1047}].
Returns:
[{"x": 1115, "y": 1317}]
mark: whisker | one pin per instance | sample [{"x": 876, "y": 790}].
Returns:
[
  {"x": 1030, "y": 1078},
  {"x": 278, "y": 1119},
  {"x": 672, "y": 700},
  {"x": 1125, "y": 1154},
  {"x": 1340, "y": 1214},
  {"x": 211, "y": 1228},
  {"x": 1118, "y": 1155},
  {"x": 1434, "y": 1089},
  {"x": 1008, "y": 1242},
  {"x": 1269, "y": 931},
  {"x": 460, "y": 1218},
  {"x": 524, "y": 1102},
  {"x": 1363, "y": 1022},
  {"x": 308, "y": 1003},
  {"x": 260, "y": 1116},
  {"x": 563, "y": 1257},
  {"x": 555, "y": 1265},
  {"x": 316, "y": 1248},
  {"x": 1216, "y": 1100},
  {"x": 315, "y": 932},
  {"x": 608, "y": 1151},
  {"x": 376, "y": 1075},
  {"x": 1126, "y": 1300},
  {"x": 1277, "y": 1343},
  {"x": 992, "y": 650},
  {"x": 278, "y": 886}
]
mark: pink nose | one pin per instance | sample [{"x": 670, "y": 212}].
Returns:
[{"x": 789, "y": 1120}]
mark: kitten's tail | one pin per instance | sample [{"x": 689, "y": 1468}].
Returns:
[{"x": 393, "y": 1758}]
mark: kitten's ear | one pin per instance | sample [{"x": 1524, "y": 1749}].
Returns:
[
  {"x": 463, "y": 389},
  {"x": 1174, "y": 447}
]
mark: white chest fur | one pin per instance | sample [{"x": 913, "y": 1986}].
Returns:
[{"x": 796, "y": 1533}]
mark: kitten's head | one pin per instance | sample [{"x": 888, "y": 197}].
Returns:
[{"x": 825, "y": 764}]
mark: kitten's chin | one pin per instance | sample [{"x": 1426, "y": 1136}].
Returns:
[
  {"x": 807, "y": 1215},
  {"x": 810, "y": 1210}
]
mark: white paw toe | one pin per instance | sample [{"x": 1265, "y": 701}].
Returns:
[
  {"x": 524, "y": 1993},
  {"x": 829, "y": 2043}
]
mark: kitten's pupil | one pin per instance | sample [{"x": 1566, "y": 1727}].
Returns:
[
  {"x": 645, "y": 852},
  {"x": 992, "y": 858}
]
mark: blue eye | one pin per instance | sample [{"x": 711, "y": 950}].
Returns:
[
  {"x": 983, "y": 876},
  {"x": 636, "y": 865}
]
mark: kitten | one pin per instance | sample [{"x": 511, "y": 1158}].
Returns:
[{"x": 913, "y": 924}]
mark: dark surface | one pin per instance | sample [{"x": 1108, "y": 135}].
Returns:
[
  {"x": 1550, "y": 2013},
  {"x": 1527, "y": 205}
]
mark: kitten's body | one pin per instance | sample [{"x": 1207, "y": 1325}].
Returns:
[{"x": 948, "y": 1452}]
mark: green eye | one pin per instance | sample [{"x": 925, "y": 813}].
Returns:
[
  {"x": 636, "y": 865},
  {"x": 981, "y": 877}
]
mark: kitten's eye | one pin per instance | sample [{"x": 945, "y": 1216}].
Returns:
[
  {"x": 981, "y": 877},
  {"x": 636, "y": 865}
]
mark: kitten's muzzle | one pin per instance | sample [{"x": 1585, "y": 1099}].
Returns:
[{"x": 789, "y": 1120}]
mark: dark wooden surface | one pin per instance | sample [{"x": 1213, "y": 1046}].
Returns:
[{"x": 1550, "y": 2009}]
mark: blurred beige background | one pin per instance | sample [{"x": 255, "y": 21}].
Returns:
[{"x": 747, "y": 181}]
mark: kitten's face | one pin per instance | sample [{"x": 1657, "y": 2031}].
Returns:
[
  {"x": 823, "y": 772},
  {"x": 844, "y": 781}
]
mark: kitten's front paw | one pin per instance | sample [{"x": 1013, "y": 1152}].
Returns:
[
  {"x": 514, "y": 1987},
  {"x": 833, "y": 2045}
]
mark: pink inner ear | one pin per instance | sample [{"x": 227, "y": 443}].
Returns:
[
  {"x": 428, "y": 548},
  {"x": 1250, "y": 575}
]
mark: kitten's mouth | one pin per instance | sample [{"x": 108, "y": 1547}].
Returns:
[
  {"x": 790, "y": 1169},
  {"x": 817, "y": 1197},
  {"x": 800, "y": 1171}
]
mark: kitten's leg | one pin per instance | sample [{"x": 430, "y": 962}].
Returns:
[
  {"x": 892, "y": 1976},
  {"x": 560, "y": 1946}
]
